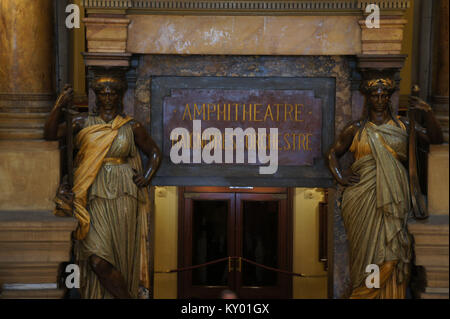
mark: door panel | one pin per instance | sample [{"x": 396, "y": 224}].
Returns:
[
  {"x": 209, "y": 241},
  {"x": 219, "y": 225},
  {"x": 259, "y": 242},
  {"x": 261, "y": 238},
  {"x": 207, "y": 223}
]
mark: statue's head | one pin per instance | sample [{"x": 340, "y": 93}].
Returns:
[
  {"x": 109, "y": 91},
  {"x": 378, "y": 92}
]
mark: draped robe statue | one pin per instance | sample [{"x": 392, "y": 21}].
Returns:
[
  {"x": 109, "y": 196},
  {"x": 376, "y": 202}
]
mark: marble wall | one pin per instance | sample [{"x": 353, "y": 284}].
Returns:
[
  {"x": 242, "y": 35},
  {"x": 337, "y": 67}
]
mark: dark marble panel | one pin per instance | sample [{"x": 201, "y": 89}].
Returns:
[
  {"x": 341, "y": 271},
  {"x": 337, "y": 67}
]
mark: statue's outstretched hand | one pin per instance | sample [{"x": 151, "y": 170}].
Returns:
[
  {"x": 65, "y": 97},
  {"x": 64, "y": 199}
]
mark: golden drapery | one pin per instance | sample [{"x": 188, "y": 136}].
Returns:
[
  {"x": 375, "y": 211},
  {"x": 94, "y": 143}
]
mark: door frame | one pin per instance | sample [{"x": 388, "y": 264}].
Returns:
[{"x": 185, "y": 235}]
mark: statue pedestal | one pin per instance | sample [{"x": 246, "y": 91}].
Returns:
[
  {"x": 431, "y": 240},
  {"x": 29, "y": 175},
  {"x": 33, "y": 244},
  {"x": 431, "y": 252}
]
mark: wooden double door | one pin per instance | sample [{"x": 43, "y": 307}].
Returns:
[{"x": 235, "y": 225}]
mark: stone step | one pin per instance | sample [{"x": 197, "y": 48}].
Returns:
[
  {"x": 21, "y": 134},
  {"x": 31, "y": 291},
  {"x": 33, "y": 245},
  {"x": 30, "y": 272},
  {"x": 18, "y": 115},
  {"x": 435, "y": 293},
  {"x": 443, "y": 119},
  {"x": 437, "y": 277},
  {"x": 434, "y": 296},
  {"x": 20, "y": 120}
]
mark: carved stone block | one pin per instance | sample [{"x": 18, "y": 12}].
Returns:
[
  {"x": 384, "y": 40},
  {"x": 106, "y": 34}
]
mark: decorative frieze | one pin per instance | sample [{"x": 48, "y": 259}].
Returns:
[{"x": 248, "y": 7}]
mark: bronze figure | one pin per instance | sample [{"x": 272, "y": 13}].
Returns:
[
  {"x": 109, "y": 196},
  {"x": 376, "y": 201}
]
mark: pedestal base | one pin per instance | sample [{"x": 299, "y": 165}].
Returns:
[
  {"x": 431, "y": 247},
  {"x": 29, "y": 175},
  {"x": 32, "y": 247}
]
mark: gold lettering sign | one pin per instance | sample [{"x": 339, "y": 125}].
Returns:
[{"x": 297, "y": 115}]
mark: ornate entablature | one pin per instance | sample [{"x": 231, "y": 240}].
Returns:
[
  {"x": 117, "y": 30},
  {"x": 255, "y": 7},
  {"x": 333, "y": 27}
]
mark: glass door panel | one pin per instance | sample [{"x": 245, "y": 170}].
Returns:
[
  {"x": 261, "y": 237},
  {"x": 209, "y": 242},
  {"x": 207, "y": 235},
  {"x": 260, "y": 242}
]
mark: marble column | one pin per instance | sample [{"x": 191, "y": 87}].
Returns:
[
  {"x": 33, "y": 242},
  {"x": 441, "y": 82},
  {"x": 27, "y": 72},
  {"x": 29, "y": 166}
]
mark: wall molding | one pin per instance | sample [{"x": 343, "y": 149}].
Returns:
[{"x": 253, "y": 7}]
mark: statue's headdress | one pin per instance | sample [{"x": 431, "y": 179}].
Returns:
[
  {"x": 115, "y": 79},
  {"x": 379, "y": 81},
  {"x": 385, "y": 84},
  {"x": 115, "y": 83}
]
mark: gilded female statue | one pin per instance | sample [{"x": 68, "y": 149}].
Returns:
[
  {"x": 376, "y": 199},
  {"x": 109, "y": 196}
]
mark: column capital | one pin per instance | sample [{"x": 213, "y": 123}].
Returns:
[
  {"x": 381, "y": 62},
  {"x": 107, "y": 59}
]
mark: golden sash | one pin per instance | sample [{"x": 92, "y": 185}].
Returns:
[{"x": 94, "y": 143}]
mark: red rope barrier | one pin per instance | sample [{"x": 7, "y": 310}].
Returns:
[
  {"x": 272, "y": 269},
  {"x": 244, "y": 259},
  {"x": 195, "y": 267}
]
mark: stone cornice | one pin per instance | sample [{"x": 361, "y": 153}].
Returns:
[{"x": 242, "y": 7}]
